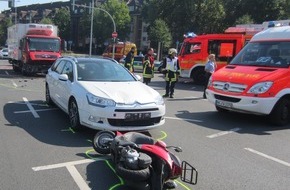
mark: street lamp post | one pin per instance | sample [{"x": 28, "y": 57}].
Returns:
[
  {"x": 91, "y": 35},
  {"x": 92, "y": 21}
]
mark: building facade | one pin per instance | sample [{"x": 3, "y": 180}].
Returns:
[{"x": 36, "y": 12}]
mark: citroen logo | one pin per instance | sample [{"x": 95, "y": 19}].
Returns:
[{"x": 226, "y": 87}]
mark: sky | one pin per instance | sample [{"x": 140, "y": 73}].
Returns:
[{"x": 18, "y": 3}]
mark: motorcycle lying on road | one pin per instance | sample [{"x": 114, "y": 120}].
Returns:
[{"x": 143, "y": 163}]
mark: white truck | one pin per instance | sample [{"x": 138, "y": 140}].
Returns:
[{"x": 32, "y": 48}]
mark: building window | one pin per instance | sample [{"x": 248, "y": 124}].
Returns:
[{"x": 144, "y": 39}]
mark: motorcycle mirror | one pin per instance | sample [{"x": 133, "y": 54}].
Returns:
[
  {"x": 175, "y": 148},
  {"x": 178, "y": 149}
]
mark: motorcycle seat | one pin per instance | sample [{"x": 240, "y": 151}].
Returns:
[{"x": 138, "y": 138}]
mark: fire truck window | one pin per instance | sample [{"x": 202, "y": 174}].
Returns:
[
  {"x": 226, "y": 50},
  {"x": 223, "y": 49},
  {"x": 192, "y": 48}
]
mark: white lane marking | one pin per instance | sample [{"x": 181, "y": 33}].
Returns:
[
  {"x": 183, "y": 119},
  {"x": 34, "y": 113},
  {"x": 268, "y": 157},
  {"x": 6, "y": 72},
  {"x": 223, "y": 133},
  {"x": 14, "y": 84},
  {"x": 34, "y": 104},
  {"x": 60, "y": 165},
  {"x": 36, "y": 110},
  {"x": 78, "y": 178}
]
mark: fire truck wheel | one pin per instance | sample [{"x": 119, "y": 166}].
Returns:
[
  {"x": 281, "y": 112},
  {"x": 15, "y": 68},
  {"x": 198, "y": 76}
]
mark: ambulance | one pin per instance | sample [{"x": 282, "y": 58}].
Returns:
[
  {"x": 257, "y": 80},
  {"x": 195, "y": 49}
]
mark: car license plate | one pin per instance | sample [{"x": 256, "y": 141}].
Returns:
[
  {"x": 137, "y": 116},
  {"x": 224, "y": 104}
]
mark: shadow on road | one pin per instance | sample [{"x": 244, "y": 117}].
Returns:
[
  {"x": 51, "y": 127},
  {"x": 247, "y": 124}
]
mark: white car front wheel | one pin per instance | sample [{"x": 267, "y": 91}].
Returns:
[{"x": 74, "y": 117}]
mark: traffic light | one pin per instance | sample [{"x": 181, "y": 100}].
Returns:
[{"x": 11, "y": 3}]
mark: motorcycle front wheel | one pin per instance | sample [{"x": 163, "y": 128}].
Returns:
[{"x": 102, "y": 141}]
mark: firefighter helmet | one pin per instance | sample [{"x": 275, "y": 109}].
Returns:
[{"x": 171, "y": 51}]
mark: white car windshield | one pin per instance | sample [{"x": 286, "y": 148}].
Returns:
[
  {"x": 102, "y": 70},
  {"x": 264, "y": 54}
]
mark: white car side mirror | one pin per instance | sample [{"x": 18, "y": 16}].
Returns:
[
  {"x": 63, "y": 77},
  {"x": 138, "y": 77}
]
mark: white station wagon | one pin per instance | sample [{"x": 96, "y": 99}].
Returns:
[{"x": 101, "y": 94}]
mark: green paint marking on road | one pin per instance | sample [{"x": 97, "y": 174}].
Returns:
[
  {"x": 64, "y": 130},
  {"x": 72, "y": 130},
  {"x": 88, "y": 152},
  {"x": 121, "y": 180},
  {"x": 110, "y": 166},
  {"x": 184, "y": 186},
  {"x": 163, "y": 137},
  {"x": 69, "y": 129}
]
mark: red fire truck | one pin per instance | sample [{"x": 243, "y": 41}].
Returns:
[{"x": 194, "y": 50}]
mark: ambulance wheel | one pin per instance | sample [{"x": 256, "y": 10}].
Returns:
[
  {"x": 221, "y": 110},
  {"x": 281, "y": 112}
]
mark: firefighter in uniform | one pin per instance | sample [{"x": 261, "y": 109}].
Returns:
[
  {"x": 129, "y": 60},
  {"x": 171, "y": 69},
  {"x": 148, "y": 66}
]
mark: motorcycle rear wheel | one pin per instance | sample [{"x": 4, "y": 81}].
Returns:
[{"x": 99, "y": 143}]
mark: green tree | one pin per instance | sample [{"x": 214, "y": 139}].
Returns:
[
  {"x": 7, "y": 22},
  {"x": 62, "y": 21},
  {"x": 103, "y": 25},
  {"x": 184, "y": 16},
  {"x": 120, "y": 13},
  {"x": 159, "y": 32},
  {"x": 245, "y": 19},
  {"x": 258, "y": 10},
  {"x": 46, "y": 21}
]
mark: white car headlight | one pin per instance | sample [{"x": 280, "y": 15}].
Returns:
[
  {"x": 260, "y": 88},
  {"x": 99, "y": 101},
  {"x": 159, "y": 100}
]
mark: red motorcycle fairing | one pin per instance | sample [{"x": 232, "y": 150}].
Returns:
[{"x": 158, "y": 151}]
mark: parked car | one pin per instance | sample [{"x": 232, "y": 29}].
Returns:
[
  {"x": 4, "y": 53},
  {"x": 101, "y": 94},
  {"x": 138, "y": 64}
]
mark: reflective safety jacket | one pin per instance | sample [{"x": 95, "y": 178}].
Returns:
[
  {"x": 129, "y": 60},
  {"x": 148, "y": 66},
  {"x": 172, "y": 68}
]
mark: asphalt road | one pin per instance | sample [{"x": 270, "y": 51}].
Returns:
[{"x": 230, "y": 151}]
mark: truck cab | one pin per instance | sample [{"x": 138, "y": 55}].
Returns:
[{"x": 257, "y": 81}]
